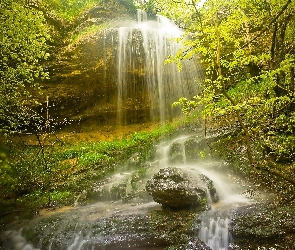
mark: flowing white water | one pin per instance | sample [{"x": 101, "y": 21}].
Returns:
[
  {"x": 214, "y": 226},
  {"x": 214, "y": 231},
  {"x": 143, "y": 48}
]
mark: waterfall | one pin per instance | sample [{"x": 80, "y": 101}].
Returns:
[
  {"x": 214, "y": 230},
  {"x": 144, "y": 82}
]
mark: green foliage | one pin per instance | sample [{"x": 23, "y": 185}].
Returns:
[
  {"x": 146, "y": 5},
  {"x": 6, "y": 177},
  {"x": 187, "y": 105},
  {"x": 22, "y": 49},
  {"x": 40, "y": 198},
  {"x": 93, "y": 158},
  {"x": 249, "y": 70},
  {"x": 202, "y": 154},
  {"x": 88, "y": 31},
  {"x": 70, "y": 9},
  {"x": 106, "y": 152},
  {"x": 37, "y": 175}
]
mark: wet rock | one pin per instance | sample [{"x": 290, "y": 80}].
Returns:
[
  {"x": 196, "y": 149},
  {"x": 172, "y": 227},
  {"x": 157, "y": 228},
  {"x": 176, "y": 153},
  {"x": 82, "y": 85},
  {"x": 266, "y": 220},
  {"x": 265, "y": 226},
  {"x": 194, "y": 244},
  {"x": 176, "y": 188},
  {"x": 212, "y": 190}
]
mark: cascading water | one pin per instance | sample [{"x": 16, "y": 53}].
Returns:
[
  {"x": 214, "y": 226},
  {"x": 143, "y": 77},
  {"x": 121, "y": 220},
  {"x": 214, "y": 231}
]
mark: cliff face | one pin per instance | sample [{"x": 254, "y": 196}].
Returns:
[
  {"x": 82, "y": 67},
  {"x": 83, "y": 77}
]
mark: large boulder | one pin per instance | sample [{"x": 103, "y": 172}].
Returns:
[{"x": 177, "y": 188}]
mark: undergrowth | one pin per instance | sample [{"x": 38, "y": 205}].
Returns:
[{"x": 55, "y": 173}]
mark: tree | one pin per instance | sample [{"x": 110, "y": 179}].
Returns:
[
  {"x": 22, "y": 51},
  {"x": 247, "y": 50}
]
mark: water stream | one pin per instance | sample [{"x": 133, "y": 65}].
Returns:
[{"x": 119, "y": 219}]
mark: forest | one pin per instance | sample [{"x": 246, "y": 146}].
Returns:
[{"x": 246, "y": 51}]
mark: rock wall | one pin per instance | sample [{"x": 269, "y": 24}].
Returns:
[{"x": 82, "y": 66}]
